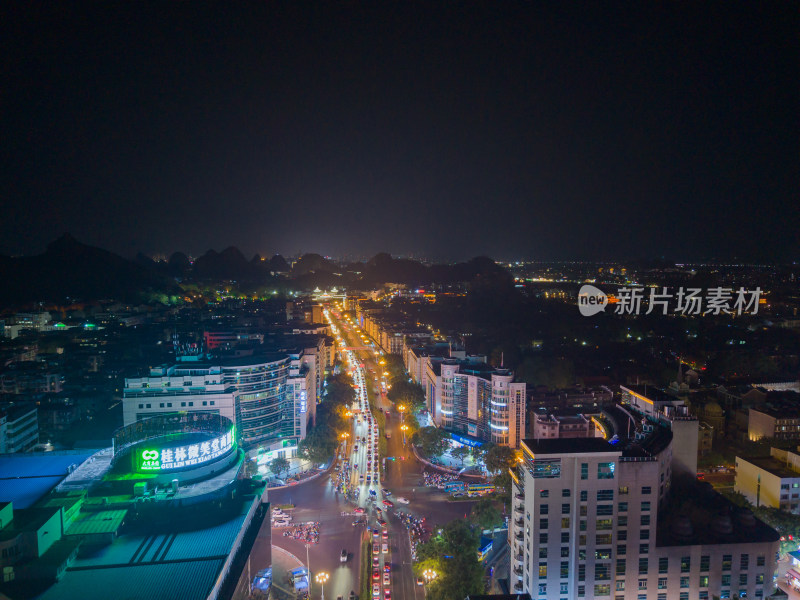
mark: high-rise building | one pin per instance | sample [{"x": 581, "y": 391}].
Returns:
[
  {"x": 475, "y": 399},
  {"x": 270, "y": 398},
  {"x": 597, "y": 518}
]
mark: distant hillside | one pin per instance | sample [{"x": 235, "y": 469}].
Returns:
[
  {"x": 382, "y": 268},
  {"x": 70, "y": 269}
]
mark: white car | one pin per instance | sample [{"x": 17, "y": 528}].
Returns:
[{"x": 402, "y": 500}]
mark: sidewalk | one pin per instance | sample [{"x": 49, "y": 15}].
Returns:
[{"x": 446, "y": 469}]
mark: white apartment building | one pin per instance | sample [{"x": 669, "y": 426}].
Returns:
[{"x": 603, "y": 520}]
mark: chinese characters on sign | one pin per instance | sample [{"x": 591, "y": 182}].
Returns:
[
  {"x": 688, "y": 301},
  {"x": 185, "y": 456}
]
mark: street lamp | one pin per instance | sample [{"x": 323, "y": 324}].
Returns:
[
  {"x": 429, "y": 575},
  {"x": 321, "y": 579}
]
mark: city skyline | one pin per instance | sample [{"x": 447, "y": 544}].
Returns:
[{"x": 547, "y": 133}]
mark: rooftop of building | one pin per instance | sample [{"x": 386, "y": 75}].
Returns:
[
  {"x": 25, "y": 478},
  {"x": 695, "y": 514},
  {"x": 16, "y": 410},
  {"x": 167, "y": 561},
  {"x": 570, "y": 446},
  {"x": 650, "y": 392},
  {"x": 563, "y": 419},
  {"x": 544, "y": 393},
  {"x": 630, "y": 431},
  {"x": 781, "y": 405},
  {"x": 26, "y": 520},
  {"x": 772, "y": 465},
  {"x": 101, "y": 521}
]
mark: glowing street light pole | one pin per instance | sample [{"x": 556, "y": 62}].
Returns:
[
  {"x": 321, "y": 579},
  {"x": 403, "y": 426}
]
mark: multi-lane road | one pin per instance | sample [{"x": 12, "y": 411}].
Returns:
[{"x": 318, "y": 500}]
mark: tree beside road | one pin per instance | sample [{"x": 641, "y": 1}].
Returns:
[
  {"x": 279, "y": 465},
  {"x": 433, "y": 441},
  {"x": 453, "y": 556}
]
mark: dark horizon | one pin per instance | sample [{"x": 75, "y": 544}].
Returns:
[{"x": 512, "y": 131}]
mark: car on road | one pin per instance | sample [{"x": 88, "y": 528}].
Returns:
[
  {"x": 388, "y": 503},
  {"x": 387, "y": 567},
  {"x": 358, "y": 510},
  {"x": 386, "y": 492},
  {"x": 375, "y": 550},
  {"x": 385, "y": 536},
  {"x": 343, "y": 556},
  {"x": 376, "y": 575},
  {"x": 402, "y": 500},
  {"x": 387, "y": 595},
  {"x": 381, "y": 522},
  {"x": 361, "y": 478},
  {"x": 385, "y": 548},
  {"x": 387, "y": 579},
  {"x": 376, "y": 563},
  {"x": 376, "y": 590}
]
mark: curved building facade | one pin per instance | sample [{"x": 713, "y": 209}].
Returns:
[
  {"x": 478, "y": 400},
  {"x": 269, "y": 398}
]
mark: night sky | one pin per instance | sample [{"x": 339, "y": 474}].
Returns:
[{"x": 508, "y": 129}]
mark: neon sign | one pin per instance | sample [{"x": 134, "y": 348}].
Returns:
[{"x": 179, "y": 457}]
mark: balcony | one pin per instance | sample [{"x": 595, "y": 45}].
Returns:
[
  {"x": 518, "y": 571},
  {"x": 519, "y": 509},
  {"x": 520, "y": 497},
  {"x": 519, "y": 557},
  {"x": 518, "y": 586},
  {"x": 519, "y": 522},
  {"x": 520, "y": 536}
]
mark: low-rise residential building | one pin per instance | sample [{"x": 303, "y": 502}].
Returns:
[
  {"x": 19, "y": 427},
  {"x": 772, "y": 481},
  {"x": 587, "y": 399},
  {"x": 777, "y": 417},
  {"x": 554, "y": 426}
]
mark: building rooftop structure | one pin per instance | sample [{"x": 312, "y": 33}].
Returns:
[
  {"x": 569, "y": 446},
  {"x": 783, "y": 404},
  {"x": 699, "y": 515},
  {"x": 25, "y": 478},
  {"x": 772, "y": 465},
  {"x": 186, "y": 526}
]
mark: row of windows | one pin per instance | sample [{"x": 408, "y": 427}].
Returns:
[
  {"x": 602, "y": 495},
  {"x": 684, "y": 581},
  {"x": 183, "y": 404}
]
